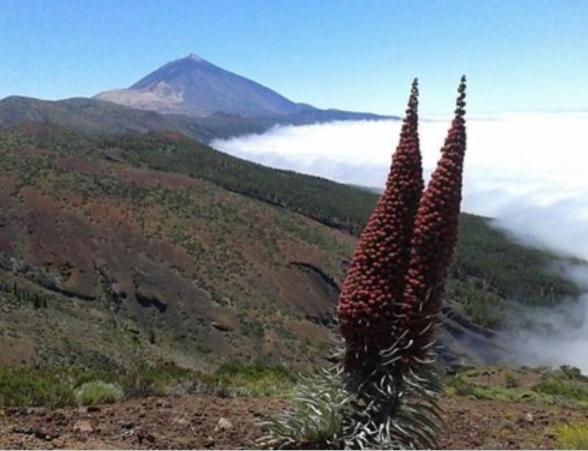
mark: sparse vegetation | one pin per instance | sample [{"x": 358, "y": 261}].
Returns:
[
  {"x": 98, "y": 392},
  {"x": 334, "y": 204},
  {"x": 253, "y": 379},
  {"x": 565, "y": 386},
  {"x": 566, "y": 382},
  {"x": 28, "y": 387},
  {"x": 511, "y": 381},
  {"x": 574, "y": 436},
  {"x": 460, "y": 387},
  {"x": 162, "y": 380}
]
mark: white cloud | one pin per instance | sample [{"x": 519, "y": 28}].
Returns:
[{"x": 528, "y": 171}]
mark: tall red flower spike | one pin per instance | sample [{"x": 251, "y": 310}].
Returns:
[
  {"x": 434, "y": 239},
  {"x": 375, "y": 281}
]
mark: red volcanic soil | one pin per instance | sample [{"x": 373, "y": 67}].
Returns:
[
  {"x": 161, "y": 254},
  {"x": 223, "y": 423}
]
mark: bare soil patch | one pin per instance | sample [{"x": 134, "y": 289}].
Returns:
[{"x": 230, "y": 423}]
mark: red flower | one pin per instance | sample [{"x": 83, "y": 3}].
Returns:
[
  {"x": 434, "y": 239},
  {"x": 394, "y": 288},
  {"x": 375, "y": 282}
]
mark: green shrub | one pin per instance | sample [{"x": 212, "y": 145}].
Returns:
[
  {"x": 571, "y": 372},
  {"x": 460, "y": 387},
  {"x": 26, "y": 387},
  {"x": 253, "y": 379},
  {"x": 572, "y": 436},
  {"x": 507, "y": 394},
  {"x": 564, "y": 383},
  {"x": 511, "y": 381},
  {"x": 162, "y": 380},
  {"x": 98, "y": 392}
]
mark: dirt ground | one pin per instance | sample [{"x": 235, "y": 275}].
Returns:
[{"x": 221, "y": 423}]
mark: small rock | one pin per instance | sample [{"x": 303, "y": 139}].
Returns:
[
  {"x": 209, "y": 442},
  {"x": 39, "y": 433},
  {"x": 83, "y": 426},
  {"x": 180, "y": 421},
  {"x": 220, "y": 326},
  {"x": 92, "y": 409},
  {"x": 144, "y": 436},
  {"x": 223, "y": 425},
  {"x": 127, "y": 433},
  {"x": 14, "y": 411},
  {"x": 529, "y": 417}
]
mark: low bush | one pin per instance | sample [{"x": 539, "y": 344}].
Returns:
[
  {"x": 32, "y": 388},
  {"x": 566, "y": 382},
  {"x": 98, "y": 392},
  {"x": 460, "y": 387},
  {"x": 162, "y": 380},
  {"x": 573, "y": 436},
  {"x": 511, "y": 381},
  {"x": 253, "y": 379}
]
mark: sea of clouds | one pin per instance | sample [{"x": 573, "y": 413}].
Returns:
[{"x": 528, "y": 171}]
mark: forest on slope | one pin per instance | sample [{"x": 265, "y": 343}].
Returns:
[{"x": 158, "y": 244}]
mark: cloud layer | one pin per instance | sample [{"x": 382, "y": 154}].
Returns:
[{"x": 528, "y": 171}]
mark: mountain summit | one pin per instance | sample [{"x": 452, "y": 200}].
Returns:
[{"x": 196, "y": 87}]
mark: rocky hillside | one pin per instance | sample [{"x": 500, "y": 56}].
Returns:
[{"x": 158, "y": 248}]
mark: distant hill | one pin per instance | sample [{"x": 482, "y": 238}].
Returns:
[
  {"x": 98, "y": 117},
  {"x": 92, "y": 117},
  {"x": 196, "y": 87},
  {"x": 155, "y": 247}
]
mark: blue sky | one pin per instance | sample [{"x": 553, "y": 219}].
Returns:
[{"x": 358, "y": 55}]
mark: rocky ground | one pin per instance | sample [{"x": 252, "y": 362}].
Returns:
[{"x": 225, "y": 423}]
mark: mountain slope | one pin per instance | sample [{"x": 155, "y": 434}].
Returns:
[
  {"x": 83, "y": 115},
  {"x": 196, "y": 87},
  {"x": 97, "y": 117},
  {"x": 157, "y": 248},
  {"x": 100, "y": 260}
]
